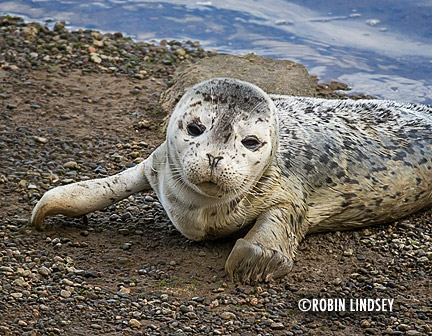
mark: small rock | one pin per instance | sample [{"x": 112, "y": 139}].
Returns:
[
  {"x": 65, "y": 293},
  {"x": 228, "y": 316},
  {"x": 125, "y": 290},
  {"x": 135, "y": 323},
  {"x": 84, "y": 233},
  {"x": 95, "y": 59},
  {"x": 404, "y": 327},
  {"x": 17, "y": 295},
  {"x": 59, "y": 26},
  {"x": 71, "y": 165},
  {"x": 184, "y": 309},
  {"x": 144, "y": 124},
  {"x": 44, "y": 271},
  {"x": 337, "y": 281},
  {"x": 365, "y": 324},
  {"x": 202, "y": 254},
  {"x": 348, "y": 252},
  {"x": 277, "y": 326},
  {"x": 126, "y": 246},
  {"x": 41, "y": 139},
  {"x": 149, "y": 199},
  {"x": 180, "y": 52},
  {"x": 423, "y": 259}
]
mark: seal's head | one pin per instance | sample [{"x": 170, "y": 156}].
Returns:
[{"x": 222, "y": 136}]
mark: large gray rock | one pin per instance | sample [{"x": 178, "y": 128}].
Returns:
[{"x": 273, "y": 76}]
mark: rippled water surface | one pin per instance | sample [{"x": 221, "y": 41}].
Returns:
[{"x": 377, "y": 47}]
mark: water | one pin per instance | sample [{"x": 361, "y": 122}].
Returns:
[{"x": 381, "y": 47}]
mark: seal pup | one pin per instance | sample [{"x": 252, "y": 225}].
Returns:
[{"x": 286, "y": 166}]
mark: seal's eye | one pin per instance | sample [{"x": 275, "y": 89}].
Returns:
[
  {"x": 251, "y": 142},
  {"x": 194, "y": 129}
]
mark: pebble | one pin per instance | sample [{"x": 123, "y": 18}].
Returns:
[
  {"x": 17, "y": 295},
  {"x": 71, "y": 165},
  {"x": 135, "y": 323},
  {"x": 64, "y": 293},
  {"x": 126, "y": 246},
  {"x": 349, "y": 252},
  {"x": 184, "y": 309},
  {"x": 41, "y": 139},
  {"x": 44, "y": 271},
  {"x": 96, "y": 326},
  {"x": 228, "y": 316},
  {"x": 365, "y": 324},
  {"x": 96, "y": 59},
  {"x": 277, "y": 326},
  {"x": 149, "y": 199},
  {"x": 404, "y": 327}
]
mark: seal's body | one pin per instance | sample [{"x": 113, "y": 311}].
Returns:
[{"x": 235, "y": 156}]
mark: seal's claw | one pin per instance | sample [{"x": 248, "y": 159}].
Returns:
[{"x": 249, "y": 262}]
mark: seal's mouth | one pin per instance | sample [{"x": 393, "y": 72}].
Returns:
[
  {"x": 210, "y": 188},
  {"x": 208, "y": 184}
]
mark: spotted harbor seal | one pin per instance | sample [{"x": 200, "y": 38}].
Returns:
[{"x": 235, "y": 156}]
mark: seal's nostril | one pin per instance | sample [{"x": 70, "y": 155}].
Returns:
[
  {"x": 216, "y": 160},
  {"x": 213, "y": 161}
]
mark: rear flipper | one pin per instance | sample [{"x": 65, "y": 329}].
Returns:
[{"x": 86, "y": 196}]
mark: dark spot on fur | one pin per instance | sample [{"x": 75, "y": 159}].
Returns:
[
  {"x": 349, "y": 195},
  {"x": 324, "y": 158},
  {"x": 308, "y": 167},
  {"x": 180, "y": 124},
  {"x": 333, "y": 165},
  {"x": 199, "y": 102}
]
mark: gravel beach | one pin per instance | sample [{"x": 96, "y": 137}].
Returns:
[{"x": 81, "y": 105}]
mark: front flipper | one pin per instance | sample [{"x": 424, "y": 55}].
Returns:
[
  {"x": 84, "y": 197},
  {"x": 268, "y": 250}
]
